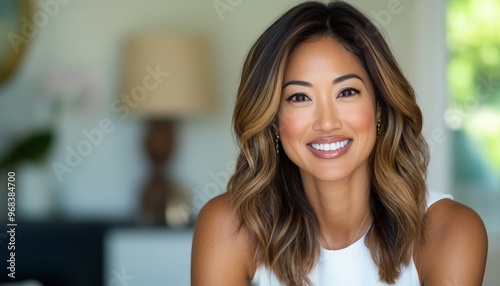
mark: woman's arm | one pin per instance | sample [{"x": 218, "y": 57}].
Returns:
[
  {"x": 454, "y": 248},
  {"x": 221, "y": 254}
]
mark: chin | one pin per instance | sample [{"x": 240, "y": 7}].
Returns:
[{"x": 330, "y": 175}]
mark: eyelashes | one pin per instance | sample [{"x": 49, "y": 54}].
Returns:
[
  {"x": 297, "y": 97},
  {"x": 344, "y": 93},
  {"x": 348, "y": 92}
]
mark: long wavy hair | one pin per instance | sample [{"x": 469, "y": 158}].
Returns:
[{"x": 266, "y": 189}]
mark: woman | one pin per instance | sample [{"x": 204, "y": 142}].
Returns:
[{"x": 329, "y": 187}]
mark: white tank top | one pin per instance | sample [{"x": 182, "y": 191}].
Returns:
[{"x": 352, "y": 266}]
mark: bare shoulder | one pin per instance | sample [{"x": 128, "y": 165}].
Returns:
[
  {"x": 454, "y": 246},
  {"x": 219, "y": 214},
  {"x": 221, "y": 253}
]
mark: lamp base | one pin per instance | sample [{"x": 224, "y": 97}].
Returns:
[{"x": 159, "y": 144}]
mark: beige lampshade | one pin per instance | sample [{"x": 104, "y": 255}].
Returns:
[{"x": 168, "y": 75}]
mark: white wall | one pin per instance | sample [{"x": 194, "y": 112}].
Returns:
[{"x": 86, "y": 36}]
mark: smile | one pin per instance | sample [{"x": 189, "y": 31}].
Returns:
[
  {"x": 330, "y": 150},
  {"x": 330, "y": 146}
]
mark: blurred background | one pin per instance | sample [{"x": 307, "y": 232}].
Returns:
[{"x": 116, "y": 118}]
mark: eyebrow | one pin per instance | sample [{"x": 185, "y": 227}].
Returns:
[
  {"x": 335, "y": 81},
  {"x": 346, "y": 77}
]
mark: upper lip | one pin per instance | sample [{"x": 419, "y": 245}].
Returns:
[{"x": 330, "y": 139}]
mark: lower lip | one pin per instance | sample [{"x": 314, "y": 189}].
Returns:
[{"x": 330, "y": 154}]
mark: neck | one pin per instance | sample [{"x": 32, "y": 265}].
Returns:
[{"x": 342, "y": 209}]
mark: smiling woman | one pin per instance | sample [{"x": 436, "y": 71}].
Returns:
[{"x": 329, "y": 187}]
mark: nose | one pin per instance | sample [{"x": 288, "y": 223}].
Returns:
[{"x": 327, "y": 118}]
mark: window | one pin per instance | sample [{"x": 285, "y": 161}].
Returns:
[{"x": 473, "y": 29}]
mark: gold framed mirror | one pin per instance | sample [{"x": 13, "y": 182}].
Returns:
[{"x": 15, "y": 17}]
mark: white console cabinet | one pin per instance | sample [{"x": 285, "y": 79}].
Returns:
[{"x": 147, "y": 257}]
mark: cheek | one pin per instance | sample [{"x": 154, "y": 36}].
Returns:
[
  {"x": 361, "y": 118},
  {"x": 292, "y": 125}
]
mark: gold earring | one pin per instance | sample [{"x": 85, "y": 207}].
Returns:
[
  {"x": 378, "y": 127},
  {"x": 276, "y": 141}
]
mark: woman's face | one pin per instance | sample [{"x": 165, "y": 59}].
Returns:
[{"x": 327, "y": 120}]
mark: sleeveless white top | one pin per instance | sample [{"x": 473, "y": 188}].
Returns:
[{"x": 351, "y": 266}]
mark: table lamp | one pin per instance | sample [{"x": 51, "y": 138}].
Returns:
[{"x": 167, "y": 77}]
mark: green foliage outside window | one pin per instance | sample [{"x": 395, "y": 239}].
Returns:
[{"x": 474, "y": 73}]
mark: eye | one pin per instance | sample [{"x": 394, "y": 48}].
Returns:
[
  {"x": 348, "y": 92},
  {"x": 297, "y": 97}
]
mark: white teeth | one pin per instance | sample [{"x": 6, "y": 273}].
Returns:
[{"x": 330, "y": 146}]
